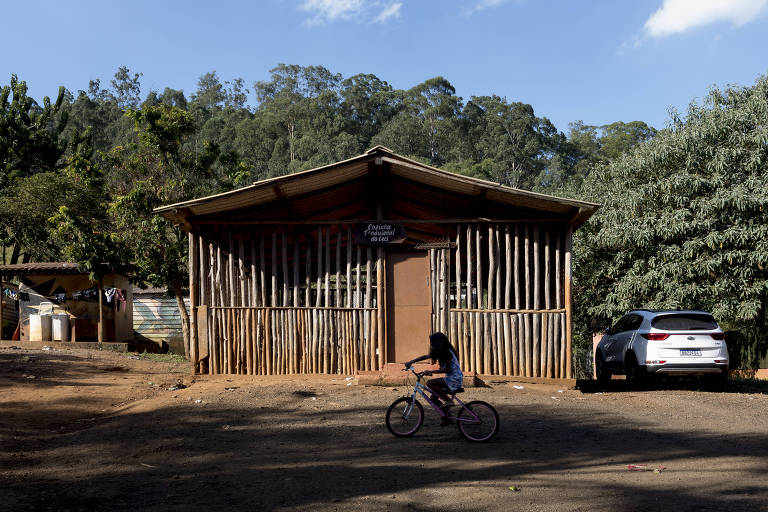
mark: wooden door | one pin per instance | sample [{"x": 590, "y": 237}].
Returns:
[{"x": 409, "y": 305}]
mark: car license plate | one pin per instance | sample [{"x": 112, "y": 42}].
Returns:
[{"x": 690, "y": 352}]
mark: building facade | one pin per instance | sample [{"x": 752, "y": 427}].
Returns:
[{"x": 352, "y": 265}]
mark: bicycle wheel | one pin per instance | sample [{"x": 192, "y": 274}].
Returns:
[
  {"x": 404, "y": 417},
  {"x": 479, "y": 423}
]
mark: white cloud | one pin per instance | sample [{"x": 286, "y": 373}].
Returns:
[
  {"x": 331, "y": 10},
  {"x": 680, "y": 15},
  {"x": 481, "y": 6},
  {"x": 389, "y": 12},
  {"x": 355, "y": 10}
]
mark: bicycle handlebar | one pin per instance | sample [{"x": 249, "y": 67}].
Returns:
[{"x": 418, "y": 375}]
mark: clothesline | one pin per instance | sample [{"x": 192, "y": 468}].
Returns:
[{"x": 111, "y": 295}]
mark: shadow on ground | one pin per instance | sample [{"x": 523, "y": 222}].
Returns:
[{"x": 178, "y": 458}]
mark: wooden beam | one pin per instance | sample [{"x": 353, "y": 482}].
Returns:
[
  {"x": 403, "y": 220},
  {"x": 283, "y": 201}
]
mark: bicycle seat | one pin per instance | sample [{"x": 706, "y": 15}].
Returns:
[{"x": 459, "y": 390}]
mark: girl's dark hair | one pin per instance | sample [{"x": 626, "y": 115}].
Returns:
[{"x": 440, "y": 349}]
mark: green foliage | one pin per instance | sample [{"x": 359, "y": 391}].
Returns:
[
  {"x": 82, "y": 229},
  {"x": 511, "y": 145},
  {"x": 28, "y": 144},
  {"x": 684, "y": 221},
  {"x": 156, "y": 170},
  {"x": 31, "y": 149}
]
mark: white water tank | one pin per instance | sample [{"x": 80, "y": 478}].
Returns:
[
  {"x": 60, "y": 327},
  {"x": 39, "y": 327}
]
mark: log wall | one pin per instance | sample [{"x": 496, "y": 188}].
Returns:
[
  {"x": 504, "y": 305},
  {"x": 285, "y": 301},
  {"x": 302, "y": 299}
]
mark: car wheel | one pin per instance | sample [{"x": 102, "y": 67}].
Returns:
[
  {"x": 602, "y": 372},
  {"x": 635, "y": 373}
]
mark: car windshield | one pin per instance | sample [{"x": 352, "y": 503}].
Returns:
[{"x": 685, "y": 322}]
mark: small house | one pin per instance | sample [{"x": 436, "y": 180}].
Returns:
[
  {"x": 59, "y": 302},
  {"x": 352, "y": 265}
]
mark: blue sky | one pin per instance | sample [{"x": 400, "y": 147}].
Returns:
[{"x": 597, "y": 61}]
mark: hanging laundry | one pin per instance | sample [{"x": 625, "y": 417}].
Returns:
[
  {"x": 121, "y": 303},
  {"x": 90, "y": 295},
  {"x": 60, "y": 298},
  {"x": 109, "y": 294}
]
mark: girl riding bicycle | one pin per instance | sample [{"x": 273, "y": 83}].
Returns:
[{"x": 440, "y": 350}]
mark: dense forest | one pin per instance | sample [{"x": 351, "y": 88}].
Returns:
[{"x": 683, "y": 222}]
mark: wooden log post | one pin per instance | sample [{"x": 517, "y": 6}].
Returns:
[
  {"x": 231, "y": 346},
  {"x": 327, "y": 354},
  {"x": 508, "y": 368},
  {"x": 254, "y": 318},
  {"x": 359, "y": 348},
  {"x": 537, "y": 345},
  {"x": 568, "y": 304},
  {"x": 499, "y": 343},
  {"x": 380, "y": 295},
  {"x": 263, "y": 330},
  {"x": 458, "y": 341},
  {"x": 559, "y": 369},
  {"x": 337, "y": 340},
  {"x": 204, "y": 354},
  {"x": 212, "y": 333},
  {"x": 489, "y": 335},
  {"x": 371, "y": 356},
  {"x": 193, "y": 300},
  {"x": 316, "y": 313},
  {"x": 517, "y": 349},
  {"x": 468, "y": 347},
  {"x": 294, "y": 314},
  {"x": 527, "y": 328},
  {"x": 480, "y": 340},
  {"x": 444, "y": 289},
  {"x": 548, "y": 304},
  {"x": 245, "y": 355}
]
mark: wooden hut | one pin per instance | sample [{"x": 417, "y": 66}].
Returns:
[{"x": 352, "y": 265}]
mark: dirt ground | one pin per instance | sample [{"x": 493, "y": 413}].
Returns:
[{"x": 103, "y": 431}]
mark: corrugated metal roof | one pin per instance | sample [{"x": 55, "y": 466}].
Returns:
[
  {"x": 52, "y": 267},
  {"x": 322, "y": 178}
]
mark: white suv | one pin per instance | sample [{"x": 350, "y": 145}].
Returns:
[{"x": 670, "y": 342}]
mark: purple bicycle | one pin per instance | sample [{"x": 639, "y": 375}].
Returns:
[{"x": 478, "y": 421}]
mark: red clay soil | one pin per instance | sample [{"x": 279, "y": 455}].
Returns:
[{"x": 89, "y": 430}]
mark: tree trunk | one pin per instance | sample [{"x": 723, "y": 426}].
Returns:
[
  {"x": 100, "y": 297},
  {"x": 177, "y": 291},
  {"x": 15, "y": 254}
]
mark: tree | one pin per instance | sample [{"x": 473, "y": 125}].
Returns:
[
  {"x": 592, "y": 146},
  {"x": 126, "y": 89},
  {"x": 30, "y": 144},
  {"x": 158, "y": 169},
  {"x": 428, "y": 124},
  {"x": 368, "y": 104},
  {"x": 511, "y": 145},
  {"x": 83, "y": 230},
  {"x": 301, "y": 101},
  {"x": 210, "y": 94},
  {"x": 684, "y": 221}
]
